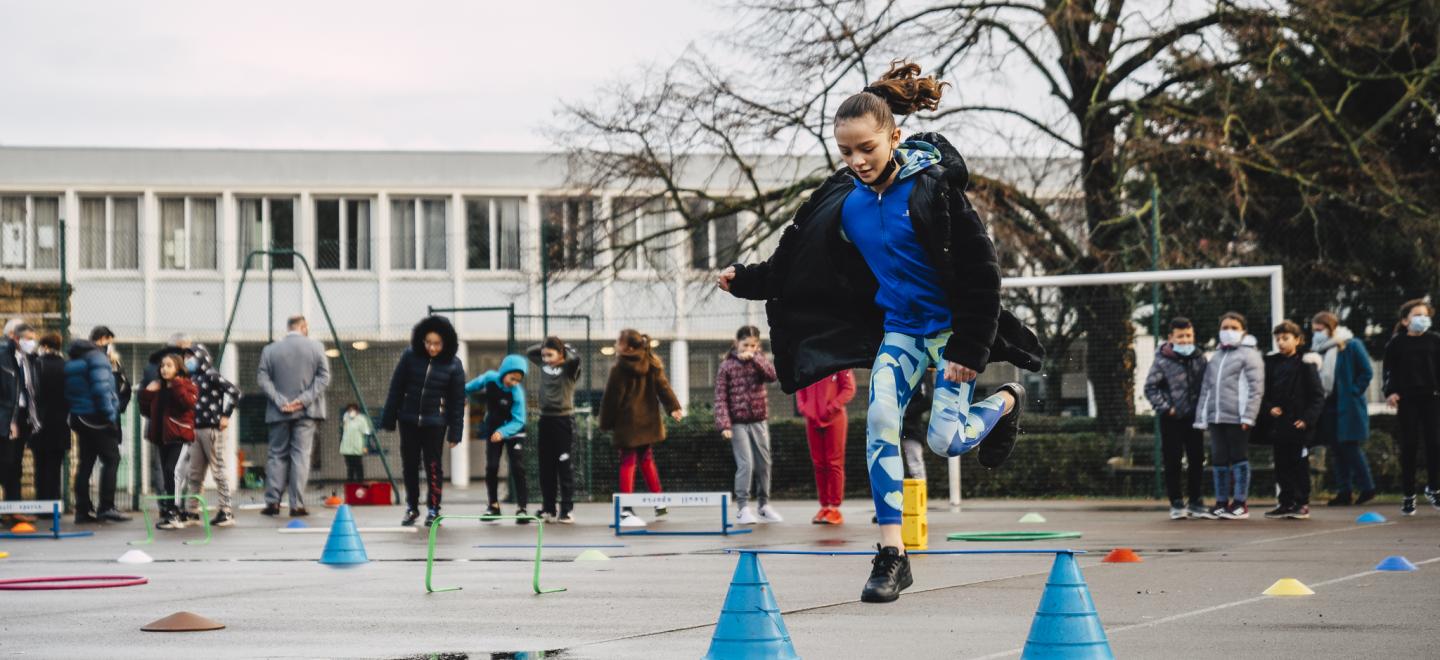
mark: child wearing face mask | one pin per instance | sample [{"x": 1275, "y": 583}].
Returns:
[
  {"x": 169, "y": 404},
  {"x": 1228, "y": 407},
  {"x": 1173, "y": 389},
  {"x": 1345, "y": 373},
  {"x": 741, "y": 410},
  {"x": 1412, "y": 387}
]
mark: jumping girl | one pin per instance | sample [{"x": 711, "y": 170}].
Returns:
[
  {"x": 635, "y": 395},
  {"x": 894, "y": 228}
]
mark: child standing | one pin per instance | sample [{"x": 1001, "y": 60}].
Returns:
[
  {"x": 503, "y": 393},
  {"x": 1173, "y": 388},
  {"x": 355, "y": 431},
  {"x": 559, "y": 370},
  {"x": 1345, "y": 373},
  {"x": 1294, "y": 399},
  {"x": 169, "y": 403},
  {"x": 634, "y": 394},
  {"x": 741, "y": 411},
  {"x": 215, "y": 403},
  {"x": 1412, "y": 386},
  {"x": 427, "y": 403},
  {"x": 1228, "y": 407},
  {"x": 823, "y": 406}
]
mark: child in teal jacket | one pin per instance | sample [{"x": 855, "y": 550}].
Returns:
[{"x": 502, "y": 391}]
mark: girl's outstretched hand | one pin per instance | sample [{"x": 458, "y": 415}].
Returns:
[
  {"x": 959, "y": 373},
  {"x": 724, "y": 279},
  {"x": 677, "y": 415}
]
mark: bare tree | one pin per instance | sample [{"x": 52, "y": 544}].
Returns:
[{"x": 1080, "y": 73}]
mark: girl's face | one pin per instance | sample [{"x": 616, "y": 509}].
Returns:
[
  {"x": 551, "y": 357},
  {"x": 1287, "y": 343},
  {"x": 167, "y": 368},
  {"x": 865, "y": 146},
  {"x": 748, "y": 345},
  {"x": 433, "y": 343},
  {"x": 1418, "y": 310},
  {"x": 1232, "y": 324},
  {"x": 622, "y": 348},
  {"x": 1319, "y": 327}
]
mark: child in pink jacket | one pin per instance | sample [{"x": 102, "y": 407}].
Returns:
[{"x": 741, "y": 410}]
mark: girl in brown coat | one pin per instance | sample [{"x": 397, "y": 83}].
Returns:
[{"x": 630, "y": 410}]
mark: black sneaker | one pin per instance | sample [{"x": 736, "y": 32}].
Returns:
[
  {"x": 168, "y": 521},
  {"x": 411, "y": 515},
  {"x": 1341, "y": 499},
  {"x": 492, "y": 510},
  {"x": 524, "y": 519},
  {"x": 996, "y": 447},
  {"x": 189, "y": 518},
  {"x": 430, "y": 517},
  {"x": 1407, "y": 507},
  {"x": 661, "y": 512},
  {"x": 270, "y": 510},
  {"x": 1365, "y": 496},
  {"x": 889, "y": 576},
  {"x": 1282, "y": 511},
  {"x": 1300, "y": 512},
  {"x": 86, "y": 518},
  {"x": 111, "y": 515},
  {"x": 299, "y": 512},
  {"x": 566, "y": 519},
  {"x": 223, "y": 518},
  {"x": 1433, "y": 496}
]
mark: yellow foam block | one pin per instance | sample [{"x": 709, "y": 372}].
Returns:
[
  {"x": 915, "y": 532},
  {"x": 915, "y": 500}
]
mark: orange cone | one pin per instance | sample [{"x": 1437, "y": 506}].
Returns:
[
  {"x": 183, "y": 622},
  {"x": 23, "y": 528},
  {"x": 334, "y": 501},
  {"x": 1122, "y": 556}
]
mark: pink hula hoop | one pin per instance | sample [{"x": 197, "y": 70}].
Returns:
[{"x": 66, "y": 582}]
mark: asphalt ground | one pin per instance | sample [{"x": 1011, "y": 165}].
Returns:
[{"x": 1197, "y": 592}]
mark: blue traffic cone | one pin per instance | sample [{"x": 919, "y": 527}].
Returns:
[
  {"x": 296, "y": 524},
  {"x": 343, "y": 548},
  {"x": 1396, "y": 563},
  {"x": 1370, "y": 518},
  {"x": 750, "y": 625},
  {"x": 1066, "y": 624}
]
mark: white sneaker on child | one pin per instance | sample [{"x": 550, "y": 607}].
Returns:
[
  {"x": 629, "y": 519},
  {"x": 746, "y": 517},
  {"x": 768, "y": 514}
]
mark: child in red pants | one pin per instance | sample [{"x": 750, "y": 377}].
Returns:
[
  {"x": 823, "y": 406},
  {"x": 631, "y": 408}
]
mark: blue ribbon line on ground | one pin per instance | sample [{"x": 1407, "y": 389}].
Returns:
[{"x": 868, "y": 553}]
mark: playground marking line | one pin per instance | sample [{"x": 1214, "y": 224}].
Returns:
[
  {"x": 1319, "y": 533},
  {"x": 1208, "y": 610}
]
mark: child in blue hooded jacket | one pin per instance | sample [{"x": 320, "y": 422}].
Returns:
[{"x": 503, "y": 393}]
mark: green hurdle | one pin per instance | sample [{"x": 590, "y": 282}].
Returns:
[
  {"x": 150, "y": 529},
  {"x": 539, "y": 547}
]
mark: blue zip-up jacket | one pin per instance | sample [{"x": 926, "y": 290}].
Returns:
[
  {"x": 89, "y": 383},
  {"x": 880, "y": 227},
  {"x": 505, "y": 406}
]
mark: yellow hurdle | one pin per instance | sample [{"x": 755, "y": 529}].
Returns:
[{"x": 915, "y": 527}]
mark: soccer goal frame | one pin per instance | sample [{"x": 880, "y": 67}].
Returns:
[{"x": 1274, "y": 274}]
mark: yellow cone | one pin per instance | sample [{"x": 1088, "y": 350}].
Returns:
[
  {"x": 591, "y": 555},
  {"x": 1032, "y": 517},
  {"x": 1289, "y": 587},
  {"x": 4, "y": 555}
]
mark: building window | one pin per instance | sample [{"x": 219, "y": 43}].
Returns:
[
  {"x": 417, "y": 234},
  {"x": 714, "y": 241},
  {"x": 110, "y": 233},
  {"x": 29, "y": 232},
  {"x": 342, "y": 234},
  {"x": 267, "y": 223},
  {"x": 492, "y": 233},
  {"x": 568, "y": 226},
  {"x": 639, "y": 238},
  {"x": 188, "y": 233}
]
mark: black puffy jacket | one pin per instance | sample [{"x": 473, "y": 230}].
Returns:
[
  {"x": 428, "y": 391},
  {"x": 820, "y": 293}
]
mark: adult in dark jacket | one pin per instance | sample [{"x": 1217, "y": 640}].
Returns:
[
  {"x": 1345, "y": 373},
  {"x": 19, "y": 414},
  {"x": 1412, "y": 387},
  {"x": 894, "y": 229},
  {"x": 94, "y": 416},
  {"x": 1173, "y": 389},
  {"x": 50, "y": 445},
  {"x": 1289, "y": 414},
  {"x": 427, "y": 403}
]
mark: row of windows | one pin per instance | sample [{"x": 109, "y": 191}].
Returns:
[{"x": 109, "y": 233}]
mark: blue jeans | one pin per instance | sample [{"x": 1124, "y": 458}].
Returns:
[{"x": 1351, "y": 468}]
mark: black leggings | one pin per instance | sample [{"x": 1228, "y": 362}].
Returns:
[
  {"x": 514, "y": 446},
  {"x": 427, "y": 443},
  {"x": 1179, "y": 438},
  {"x": 1292, "y": 473},
  {"x": 1419, "y": 417},
  {"x": 354, "y": 468},
  {"x": 169, "y": 458},
  {"x": 557, "y": 464}
]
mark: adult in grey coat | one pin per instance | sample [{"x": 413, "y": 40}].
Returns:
[{"x": 293, "y": 374}]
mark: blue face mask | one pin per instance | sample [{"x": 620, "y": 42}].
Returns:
[
  {"x": 1419, "y": 324},
  {"x": 1184, "y": 350},
  {"x": 1321, "y": 335},
  {"x": 191, "y": 365}
]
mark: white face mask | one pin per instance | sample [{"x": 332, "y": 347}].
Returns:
[
  {"x": 27, "y": 346},
  {"x": 1184, "y": 349},
  {"x": 1419, "y": 324},
  {"x": 1321, "y": 335},
  {"x": 1230, "y": 337}
]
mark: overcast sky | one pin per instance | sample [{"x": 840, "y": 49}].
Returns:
[{"x": 320, "y": 73}]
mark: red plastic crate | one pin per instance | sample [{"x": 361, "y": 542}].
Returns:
[{"x": 376, "y": 493}]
